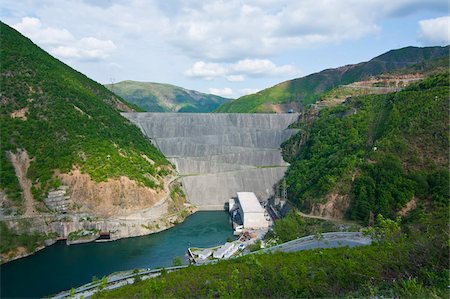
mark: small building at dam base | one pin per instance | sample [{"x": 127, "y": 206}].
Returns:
[
  {"x": 248, "y": 208},
  {"x": 219, "y": 154}
]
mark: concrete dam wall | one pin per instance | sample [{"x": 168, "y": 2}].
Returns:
[{"x": 220, "y": 154}]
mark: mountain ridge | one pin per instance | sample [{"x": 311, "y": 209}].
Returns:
[
  {"x": 164, "y": 97},
  {"x": 305, "y": 90}
]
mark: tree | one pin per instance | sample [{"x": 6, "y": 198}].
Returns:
[
  {"x": 103, "y": 283},
  {"x": 385, "y": 230},
  {"x": 177, "y": 261}
]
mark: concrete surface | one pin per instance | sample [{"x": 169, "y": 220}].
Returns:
[{"x": 218, "y": 155}]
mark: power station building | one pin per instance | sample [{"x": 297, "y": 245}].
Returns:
[{"x": 251, "y": 213}]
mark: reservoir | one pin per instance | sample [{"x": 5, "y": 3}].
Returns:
[{"x": 61, "y": 267}]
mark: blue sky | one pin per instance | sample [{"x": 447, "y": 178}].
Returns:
[{"x": 229, "y": 47}]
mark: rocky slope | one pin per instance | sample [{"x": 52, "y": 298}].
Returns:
[{"x": 157, "y": 97}]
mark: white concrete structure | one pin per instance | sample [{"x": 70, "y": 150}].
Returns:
[
  {"x": 231, "y": 204},
  {"x": 204, "y": 254},
  {"x": 224, "y": 250},
  {"x": 252, "y": 213},
  {"x": 230, "y": 252}
]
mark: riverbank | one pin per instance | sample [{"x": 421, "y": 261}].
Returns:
[
  {"x": 60, "y": 267},
  {"x": 120, "y": 279},
  {"x": 22, "y": 252},
  {"x": 63, "y": 227}
]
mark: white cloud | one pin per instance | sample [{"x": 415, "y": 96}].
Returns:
[
  {"x": 88, "y": 48},
  {"x": 236, "y": 72},
  {"x": 230, "y": 30},
  {"x": 224, "y": 92},
  {"x": 208, "y": 71},
  {"x": 61, "y": 43},
  {"x": 33, "y": 29},
  {"x": 435, "y": 31},
  {"x": 154, "y": 38},
  {"x": 263, "y": 67},
  {"x": 236, "y": 78}
]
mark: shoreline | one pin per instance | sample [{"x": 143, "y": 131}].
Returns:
[{"x": 133, "y": 227}]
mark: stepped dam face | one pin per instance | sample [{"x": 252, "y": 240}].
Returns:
[{"x": 220, "y": 154}]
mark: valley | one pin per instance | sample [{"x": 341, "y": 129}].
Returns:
[{"x": 360, "y": 148}]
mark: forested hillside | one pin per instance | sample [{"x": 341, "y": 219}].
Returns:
[
  {"x": 408, "y": 264},
  {"x": 157, "y": 97},
  {"x": 382, "y": 151},
  {"x": 63, "y": 120},
  {"x": 305, "y": 90},
  {"x": 378, "y": 152}
]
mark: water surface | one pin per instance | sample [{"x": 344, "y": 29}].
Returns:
[{"x": 61, "y": 267}]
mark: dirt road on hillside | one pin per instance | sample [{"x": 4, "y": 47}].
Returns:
[{"x": 21, "y": 162}]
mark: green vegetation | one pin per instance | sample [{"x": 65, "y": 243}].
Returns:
[
  {"x": 157, "y": 97},
  {"x": 425, "y": 68},
  {"x": 178, "y": 200},
  {"x": 67, "y": 121},
  {"x": 306, "y": 90},
  {"x": 255, "y": 246},
  {"x": 414, "y": 263},
  {"x": 342, "y": 92},
  {"x": 382, "y": 150},
  {"x": 11, "y": 240},
  {"x": 176, "y": 192},
  {"x": 177, "y": 261},
  {"x": 295, "y": 226},
  {"x": 379, "y": 150},
  {"x": 82, "y": 233},
  {"x": 103, "y": 283}
]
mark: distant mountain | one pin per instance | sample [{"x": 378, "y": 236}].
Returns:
[
  {"x": 302, "y": 91},
  {"x": 157, "y": 97}
]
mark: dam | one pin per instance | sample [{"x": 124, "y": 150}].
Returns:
[{"x": 218, "y": 154}]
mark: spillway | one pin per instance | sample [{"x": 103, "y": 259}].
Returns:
[{"x": 220, "y": 154}]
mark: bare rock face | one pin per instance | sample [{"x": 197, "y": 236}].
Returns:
[
  {"x": 115, "y": 197},
  {"x": 334, "y": 206}
]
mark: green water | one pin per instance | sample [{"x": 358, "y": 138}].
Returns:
[{"x": 61, "y": 267}]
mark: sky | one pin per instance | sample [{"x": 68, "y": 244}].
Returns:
[{"x": 229, "y": 48}]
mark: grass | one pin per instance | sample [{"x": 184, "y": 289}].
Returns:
[{"x": 412, "y": 264}]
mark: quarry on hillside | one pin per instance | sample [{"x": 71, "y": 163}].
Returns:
[{"x": 218, "y": 155}]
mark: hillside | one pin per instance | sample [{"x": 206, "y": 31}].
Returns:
[
  {"x": 375, "y": 153},
  {"x": 387, "y": 82},
  {"x": 394, "y": 268},
  {"x": 63, "y": 132},
  {"x": 302, "y": 91},
  {"x": 381, "y": 151},
  {"x": 157, "y": 97}
]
